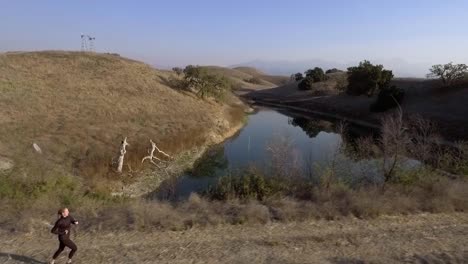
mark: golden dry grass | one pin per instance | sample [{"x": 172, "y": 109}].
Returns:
[
  {"x": 78, "y": 107},
  {"x": 240, "y": 77},
  {"x": 421, "y": 238},
  {"x": 275, "y": 79}
]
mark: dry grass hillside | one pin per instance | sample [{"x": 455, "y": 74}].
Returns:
[
  {"x": 77, "y": 107},
  {"x": 332, "y": 86},
  {"x": 239, "y": 79},
  {"x": 275, "y": 79},
  {"x": 242, "y": 77}
]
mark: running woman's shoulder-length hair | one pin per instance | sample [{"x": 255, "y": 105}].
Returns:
[{"x": 61, "y": 210}]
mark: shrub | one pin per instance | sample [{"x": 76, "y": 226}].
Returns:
[
  {"x": 204, "y": 83},
  {"x": 316, "y": 74},
  {"x": 341, "y": 82},
  {"x": 306, "y": 84},
  {"x": 333, "y": 70},
  {"x": 250, "y": 184},
  {"x": 367, "y": 78},
  {"x": 254, "y": 80},
  {"x": 388, "y": 98},
  {"x": 178, "y": 70},
  {"x": 298, "y": 76}
]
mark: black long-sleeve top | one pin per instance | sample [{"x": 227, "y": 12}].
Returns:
[{"x": 62, "y": 224}]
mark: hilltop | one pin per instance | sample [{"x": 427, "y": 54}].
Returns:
[
  {"x": 274, "y": 79},
  {"x": 77, "y": 107},
  {"x": 245, "y": 78}
]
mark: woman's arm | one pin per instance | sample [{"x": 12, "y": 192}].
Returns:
[{"x": 73, "y": 221}]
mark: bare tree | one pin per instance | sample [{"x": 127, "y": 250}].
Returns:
[
  {"x": 424, "y": 138},
  {"x": 151, "y": 157},
  {"x": 122, "y": 152},
  {"x": 284, "y": 158},
  {"x": 393, "y": 143}
]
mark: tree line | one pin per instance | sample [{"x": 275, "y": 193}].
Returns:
[{"x": 367, "y": 79}]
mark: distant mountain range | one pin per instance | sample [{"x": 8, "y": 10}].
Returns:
[{"x": 400, "y": 67}]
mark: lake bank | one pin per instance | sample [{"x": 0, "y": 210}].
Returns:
[
  {"x": 150, "y": 180},
  {"x": 447, "y": 109}
]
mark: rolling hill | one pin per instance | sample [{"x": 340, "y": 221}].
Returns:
[
  {"x": 77, "y": 107},
  {"x": 275, "y": 79}
]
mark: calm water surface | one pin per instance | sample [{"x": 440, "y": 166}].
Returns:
[{"x": 313, "y": 143}]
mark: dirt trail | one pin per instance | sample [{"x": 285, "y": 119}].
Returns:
[{"x": 425, "y": 238}]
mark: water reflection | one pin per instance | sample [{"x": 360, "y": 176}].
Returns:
[
  {"x": 276, "y": 142},
  {"x": 312, "y": 127},
  {"x": 211, "y": 164}
]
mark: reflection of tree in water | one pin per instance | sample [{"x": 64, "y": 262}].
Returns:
[
  {"x": 211, "y": 163},
  {"x": 312, "y": 126}
]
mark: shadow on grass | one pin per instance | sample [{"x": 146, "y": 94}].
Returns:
[{"x": 19, "y": 258}]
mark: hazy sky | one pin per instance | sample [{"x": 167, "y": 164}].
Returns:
[{"x": 230, "y": 32}]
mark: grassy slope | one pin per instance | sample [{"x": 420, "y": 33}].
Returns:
[
  {"x": 78, "y": 106},
  {"x": 275, "y": 79},
  {"x": 239, "y": 78}
]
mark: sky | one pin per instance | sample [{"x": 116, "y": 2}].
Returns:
[{"x": 221, "y": 32}]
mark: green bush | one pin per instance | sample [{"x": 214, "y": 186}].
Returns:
[
  {"x": 298, "y": 76},
  {"x": 388, "y": 98},
  {"x": 204, "y": 83},
  {"x": 367, "y": 78},
  {"x": 249, "y": 185},
  {"x": 316, "y": 74},
  {"x": 333, "y": 70},
  {"x": 306, "y": 84}
]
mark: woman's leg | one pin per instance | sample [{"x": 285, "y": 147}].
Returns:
[
  {"x": 72, "y": 246},
  {"x": 59, "y": 250}
]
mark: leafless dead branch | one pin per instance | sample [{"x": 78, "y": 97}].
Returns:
[{"x": 151, "y": 157}]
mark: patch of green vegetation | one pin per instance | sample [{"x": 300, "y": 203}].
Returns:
[{"x": 367, "y": 78}]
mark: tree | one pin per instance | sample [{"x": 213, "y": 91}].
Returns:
[
  {"x": 367, "y": 78},
  {"x": 178, "y": 70},
  {"x": 333, "y": 70},
  {"x": 448, "y": 73},
  {"x": 306, "y": 83},
  {"x": 204, "y": 83},
  {"x": 316, "y": 74},
  {"x": 388, "y": 98},
  {"x": 298, "y": 76}
]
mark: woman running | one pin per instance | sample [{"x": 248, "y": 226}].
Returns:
[{"x": 62, "y": 229}]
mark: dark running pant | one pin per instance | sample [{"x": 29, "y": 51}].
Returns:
[{"x": 66, "y": 242}]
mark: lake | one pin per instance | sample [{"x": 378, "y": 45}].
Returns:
[{"x": 271, "y": 136}]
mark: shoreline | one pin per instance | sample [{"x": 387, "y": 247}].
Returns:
[
  {"x": 365, "y": 120},
  {"x": 152, "y": 180}
]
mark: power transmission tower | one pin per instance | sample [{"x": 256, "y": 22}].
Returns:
[
  {"x": 87, "y": 43},
  {"x": 91, "y": 43},
  {"x": 84, "y": 45}
]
